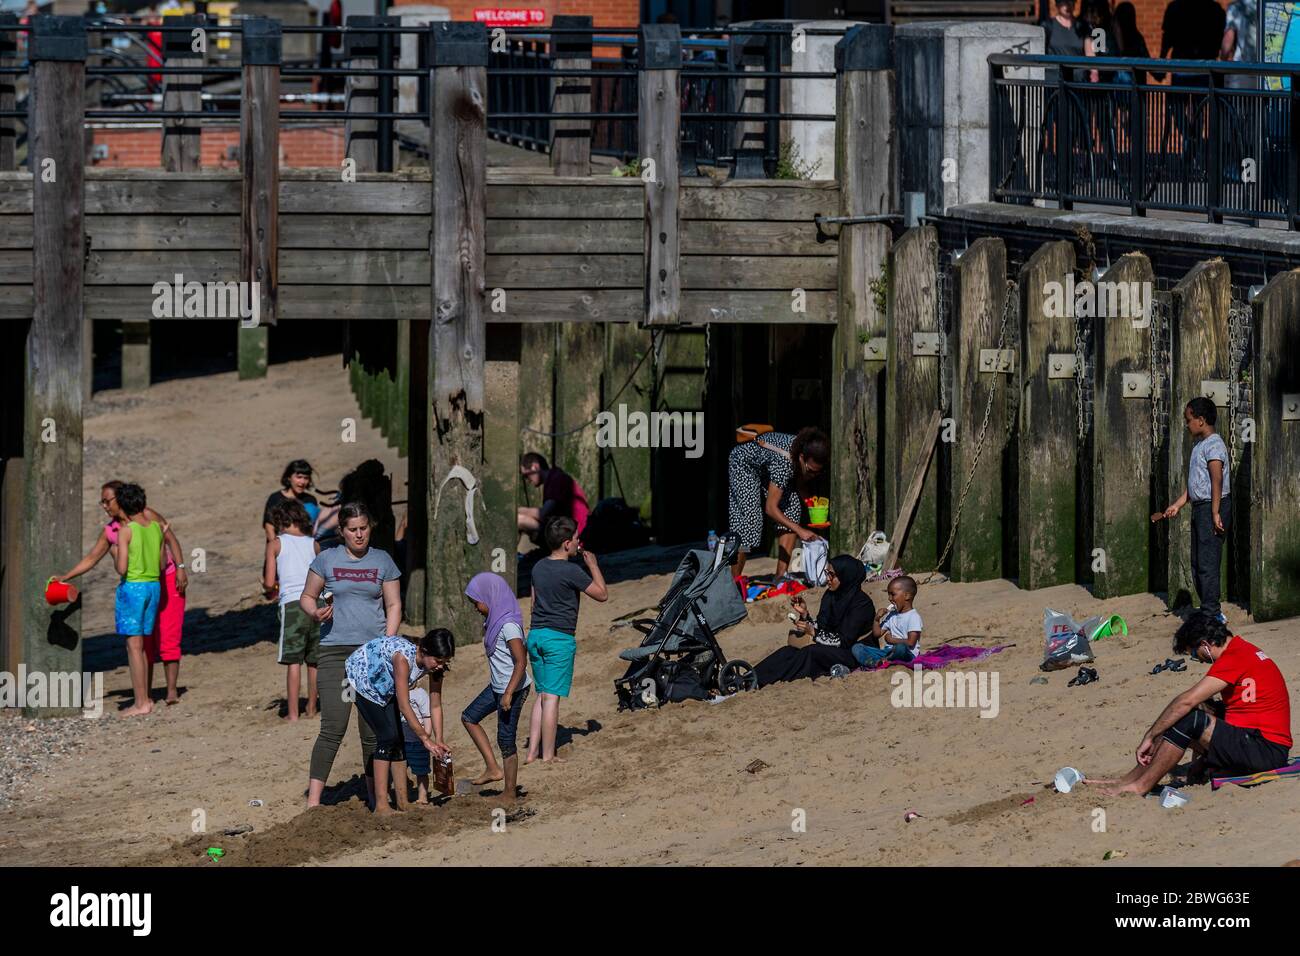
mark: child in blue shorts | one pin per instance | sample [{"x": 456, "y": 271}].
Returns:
[
  {"x": 139, "y": 561},
  {"x": 898, "y": 626},
  {"x": 558, "y": 583}
]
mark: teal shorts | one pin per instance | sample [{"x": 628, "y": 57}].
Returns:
[{"x": 552, "y": 653}]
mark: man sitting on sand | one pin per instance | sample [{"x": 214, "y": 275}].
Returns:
[{"x": 1252, "y": 731}]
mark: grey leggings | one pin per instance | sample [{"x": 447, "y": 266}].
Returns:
[{"x": 335, "y": 710}]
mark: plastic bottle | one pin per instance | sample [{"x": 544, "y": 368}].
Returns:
[
  {"x": 713, "y": 540},
  {"x": 839, "y": 670}
]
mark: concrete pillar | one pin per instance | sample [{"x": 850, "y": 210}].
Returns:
[{"x": 943, "y": 105}]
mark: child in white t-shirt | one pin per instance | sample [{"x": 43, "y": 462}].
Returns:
[
  {"x": 417, "y": 757},
  {"x": 897, "y": 626}
]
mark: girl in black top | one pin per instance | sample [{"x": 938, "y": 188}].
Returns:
[{"x": 843, "y": 619}]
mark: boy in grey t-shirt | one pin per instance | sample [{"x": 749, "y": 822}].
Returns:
[{"x": 1208, "y": 487}]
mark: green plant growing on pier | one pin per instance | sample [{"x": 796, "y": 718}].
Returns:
[
  {"x": 880, "y": 287},
  {"x": 632, "y": 168},
  {"x": 790, "y": 163}
]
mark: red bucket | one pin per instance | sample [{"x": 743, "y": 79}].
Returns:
[{"x": 59, "y": 592}]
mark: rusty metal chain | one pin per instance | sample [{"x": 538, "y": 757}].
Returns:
[
  {"x": 1160, "y": 366},
  {"x": 1083, "y": 381},
  {"x": 1011, "y": 307},
  {"x": 942, "y": 308},
  {"x": 1240, "y": 397}
]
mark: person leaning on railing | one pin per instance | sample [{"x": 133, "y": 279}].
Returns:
[{"x": 1066, "y": 36}]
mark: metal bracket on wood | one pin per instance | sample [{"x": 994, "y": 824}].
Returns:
[
  {"x": 821, "y": 220},
  {"x": 998, "y": 361},
  {"x": 1061, "y": 365},
  {"x": 1135, "y": 385},
  {"x": 1215, "y": 391},
  {"x": 1291, "y": 408},
  {"x": 873, "y": 350},
  {"x": 926, "y": 343}
]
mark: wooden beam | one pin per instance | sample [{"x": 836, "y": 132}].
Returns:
[
  {"x": 259, "y": 153},
  {"x": 8, "y": 87},
  {"x": 1048, "y": 445},
  {"x": 537, "y": 353},
  {"x": 981, "y": 292},
  {"x": 1122, "y": 457},
  {"x": 13, "y": 505},
  {"x": 1198, "y": 353},
  {"x": 866, "y": 157},
  {"x": 182, "y": 92},
  {"x": 912, "y": 392},
  {"x": 659, "y": 120},
  {"x": 907, "y": 508},
  {"x": 571, "y": 139},
  {"x": 457, "y": 343},
  {"x": 53, "y": 420},
  {"x": 1274, "y": 481}
]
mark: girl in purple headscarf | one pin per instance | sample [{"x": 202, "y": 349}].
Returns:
[{"x": 503, "y": 642}]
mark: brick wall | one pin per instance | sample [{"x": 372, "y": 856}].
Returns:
[
  {"x": 1150, "y": 17},
  {"x": 219, "y": 146}
]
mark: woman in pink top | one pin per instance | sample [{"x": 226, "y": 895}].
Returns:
[{"x": 165, "y": 643}]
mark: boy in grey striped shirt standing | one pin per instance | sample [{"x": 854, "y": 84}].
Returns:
[{"x": 1207, "y": 491}]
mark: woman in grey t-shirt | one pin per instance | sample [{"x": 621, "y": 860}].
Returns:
[{"x": 362, "y": 602}]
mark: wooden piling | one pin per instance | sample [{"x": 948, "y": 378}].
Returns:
[
  {"x": 625, "y": 472},
  {"x": 458, "y": 165},
  {"x": 659, "y": 120},
  {"x": 912, "y": 389},
  {"x": 1122, "y": 459},
  {"x": 53, "y": 419},
  {"x": 1198, "y": 354},
  {"x": 1048, "y": 449},
  {"x": 979, "y": 409},
  {"x": 13, "y": 505},
  {"x": 501, "y": 453},
  {"x": 1274, "y": 478},
  {"x": 417, "y": 477},
  {"x": 579, "y": 362},
  {"x": 259, "y": 155},
  {"x": 571, "y": 139},
  {"x": 866, "y": 164}
]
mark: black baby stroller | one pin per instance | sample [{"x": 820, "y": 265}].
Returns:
[{"x": 680, "y": 658}]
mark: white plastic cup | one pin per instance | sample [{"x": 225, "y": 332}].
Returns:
[
  {"x": 1067, "y": 778},
  {"x": 1170, "y": 798}
]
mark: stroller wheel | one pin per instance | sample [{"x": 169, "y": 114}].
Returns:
[
  {"x": 648, "y": 695},
  {"x": 736, "y": 676}
]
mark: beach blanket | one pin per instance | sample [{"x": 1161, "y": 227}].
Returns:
[
  {"x": 943, "y": 655},
  {"x": 1292, "y": 770}
]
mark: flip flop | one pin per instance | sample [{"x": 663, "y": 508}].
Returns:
[
  {"x": 1176, "y": 665},
  {"x": 1086, "y": 675}
]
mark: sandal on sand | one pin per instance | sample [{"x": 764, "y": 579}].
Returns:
[
  {"x": 1086, "y": 675},
  {"x": 1170, "y": 665}
]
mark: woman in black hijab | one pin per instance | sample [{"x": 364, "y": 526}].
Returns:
[{"x": 844, "y": 618}]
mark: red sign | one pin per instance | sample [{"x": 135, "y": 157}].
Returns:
[{"x": 509, "y": 16}]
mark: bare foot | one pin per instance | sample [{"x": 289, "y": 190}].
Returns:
[
  {"x": 1121, "y": 791},
  {"x": 530, "y": 758},
  {"x": 138, "y": 710},
  {"x": 556, "y": 759},
  {"x": 292, "y": 718},
  {"x": 173, "y": 700},
  {"x": 488, "y": 776},
  {"x": 312, "y": 712},
  {"x": 384, "y": 810}
]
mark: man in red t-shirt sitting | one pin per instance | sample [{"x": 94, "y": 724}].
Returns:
[
  {"x": 562, "y": 496},
  {"x": 1252, "y": 730}
]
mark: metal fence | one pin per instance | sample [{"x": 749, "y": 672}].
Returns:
[{"x": 1218, "y": 139}]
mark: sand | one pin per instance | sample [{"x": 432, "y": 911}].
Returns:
[{"x": 668, "y": 786}]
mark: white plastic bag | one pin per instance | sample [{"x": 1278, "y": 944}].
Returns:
[
  {"x": 1066, "y": 642},
  {"x": 815, "y": 555},
  {"x": 875, "y": 550}
]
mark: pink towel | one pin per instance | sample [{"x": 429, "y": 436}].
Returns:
[{"x": 946, "y": 654}]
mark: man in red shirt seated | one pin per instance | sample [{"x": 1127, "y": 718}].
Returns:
[
  {"x": 562, "y": 496},
  {"x": 1250, "y": 733}
]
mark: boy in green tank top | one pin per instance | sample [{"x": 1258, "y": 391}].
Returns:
[{"x": 139, "y": 561}]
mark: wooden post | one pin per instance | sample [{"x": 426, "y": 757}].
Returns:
[
  {"x": 571, "y": 139},
  {"x": 53, "y": 423},
  {"x": 626, "y": 471},
  {"x": 182, "y": 92},
  {"x": 866, "y": 164},
  {"x": 501, "y": 452},
  {"x": 1048, "y": 420},
  {"x": 417, "y": 476},
  {"x": 537, "y": 400},
  {"x": 1122, "y": 460},
  {"x": 458, "y": 169},
  {"x": 579, "y": 362},
  {"x": 360, "y": 136},
  {"x": 912, "y": 390},
  {"x": 259, "y": 153},
  {"x": 1274, "y": 478},
  {"x": 659, "y": 120},
  {"x": 13, "y": 506},
  {"x": 8, "y": 87},
  {"x": 1199, "y": 354},
  {"x": 981, "y": 292}
]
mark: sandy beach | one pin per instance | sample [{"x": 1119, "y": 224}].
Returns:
[{"x": 668, "y": 786}]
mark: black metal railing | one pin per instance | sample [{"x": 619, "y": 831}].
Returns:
[{"x": 1217, "y": 140}]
